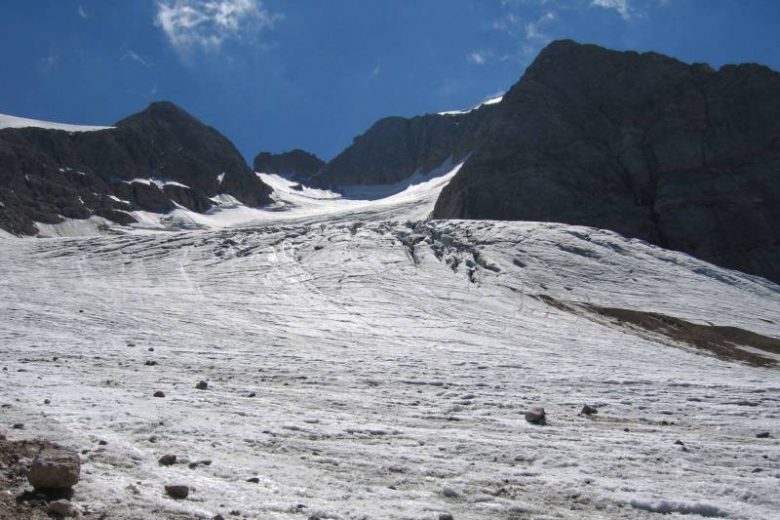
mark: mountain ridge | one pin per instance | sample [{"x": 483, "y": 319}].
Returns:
[{"x": 51, "y": 174}]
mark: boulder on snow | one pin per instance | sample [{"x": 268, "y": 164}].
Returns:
[
  {"x": 167, "y": 460},
  {"x": 763, "y": 435},
  {"x": 536, "y": 415},
  {"x": 159, "y": 394},
  {"x": 202, "y": 385},
  {"x": 177, "y": 491},
  {"x": 55, "y": 469},
  {"x": 588, "y": 410}
]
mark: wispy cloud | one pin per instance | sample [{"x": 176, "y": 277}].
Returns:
[
  {"x": 82, "y": 13},
  {"x": 47, "y": 63},
  {"x": 621, "y": 6},
  {"x": 477, "y": 58},
  {"x": 206, "y": 24},
  {"x": 134, "y": 56}
]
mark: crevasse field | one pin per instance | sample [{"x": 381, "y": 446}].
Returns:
[{"x": 365, "y": 364}]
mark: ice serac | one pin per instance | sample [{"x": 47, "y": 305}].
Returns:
[
  {"x": 680, "y": 155},
  {"x": 395, "y": 148},
  {"x": 154, "y": 160}
]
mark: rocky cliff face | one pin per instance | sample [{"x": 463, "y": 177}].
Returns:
[
  {"x": 679, "y": 155},
  {"x": 395, "y": 148},
  {"x": 151, "y": 161},
  {"x": 297, "y": 164}
]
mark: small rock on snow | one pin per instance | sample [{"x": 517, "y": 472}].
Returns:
[
  {"x": 588, "y": 410},
  {"x": 63, "y": 508},
  {"x": 167, "y": 460},
  {"x": 536, "y": 415},
  {"x": 159, "y": 394},
  {"x": 177, "y": 491}
]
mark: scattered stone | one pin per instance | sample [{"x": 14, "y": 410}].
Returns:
[
  {"x": 445, "y": 516},
  {"x": 218, "y": 517},
  {"x": 678, "y": 442},
  {"x": 55, "y": 469},
  {"x": 63, "y": 508},
  {"x": 18, "y": 426},
  {"x": 588, "y": 410},
  {"x": 150, "y": 349},
  {"x": 153, "y": 439},
  {"x": 449, "y": 492},
  {"x": 102, "y": 443},
  {"x": 167, "y": 460},
  {"x": 202, "y": 385},
  {"x": 252, "y": 394},
  {"x": 253, "y": 480},
  {"x": 150, "y": 363},
  {"x": 177, "y": 492},
  {"x": 47, "y": 401},
  {"x": 763, "y": 435},
  {"x": 536, "y": 415},
  {"x": 159, "y": 394}
]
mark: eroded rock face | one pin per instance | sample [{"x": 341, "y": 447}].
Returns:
[
  {"x": 395, "y": 148},
  {"x": 680, "y": 155},
  {"x": 150, "y": 161},
  {"x": 296, "y": 164},
  {"x": 55, "y": 469}
]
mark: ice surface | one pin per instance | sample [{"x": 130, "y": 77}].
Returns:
[
  {"x": 391, "y": 365},
  {"x": 7, "y": 121}
]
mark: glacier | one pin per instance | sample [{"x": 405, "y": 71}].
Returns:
[{"x": 366, "y": 363}]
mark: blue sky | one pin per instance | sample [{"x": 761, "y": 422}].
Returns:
[{"x": 279, "y": 74}]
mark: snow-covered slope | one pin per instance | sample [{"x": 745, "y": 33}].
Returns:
[
  {"x": 7, "y": 121},
  {"x": 490, "y": 101},
  {"x": 363, "y": 368},
  {"x": 411, "y": 199}
]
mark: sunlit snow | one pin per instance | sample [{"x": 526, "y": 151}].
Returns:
[
  {"x": 7, "y": 121},
  {"x": 364, "y": 366}
]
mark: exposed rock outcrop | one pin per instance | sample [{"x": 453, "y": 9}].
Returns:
[
  {"x": 296, "y": 164},
  {"x": 395, "y": 148},
  {"x": 152, "y": 160}
]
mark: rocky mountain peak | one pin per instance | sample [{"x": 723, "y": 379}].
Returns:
[{"x": 298, "y": 164}]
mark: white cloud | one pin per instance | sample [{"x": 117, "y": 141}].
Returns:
[
  {"x": 208, "y": 23},
  {"x": 82, "y": 12},
  {"x": 478, "y": 58},
  {"x": 621, "y": 6},
  {"x": 134, "y": 56},
  {"x": 534, "y": 31}
]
